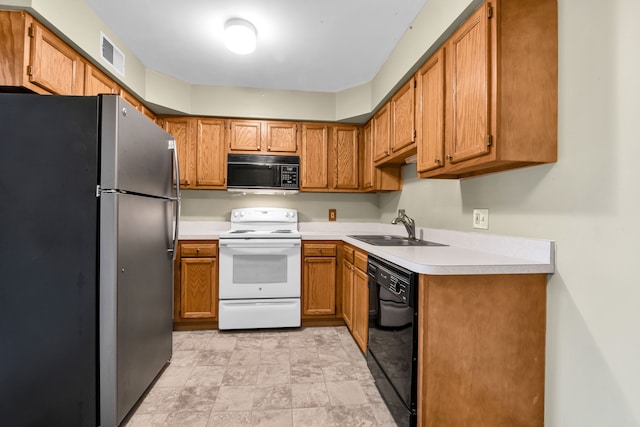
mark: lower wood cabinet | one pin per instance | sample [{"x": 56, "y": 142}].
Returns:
[
  {"x": 360, "y": 329},
  {"x": 355, "y": 294},
  {"x": 196, "y": 285},
  {"x": 481, "y": 350},
  {"x": 321, "y": 287}
]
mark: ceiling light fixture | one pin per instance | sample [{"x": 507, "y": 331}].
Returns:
[{"x": 240, "y": 36}]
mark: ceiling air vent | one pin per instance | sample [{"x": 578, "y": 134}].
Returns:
[{"x": 111, "y": 54}]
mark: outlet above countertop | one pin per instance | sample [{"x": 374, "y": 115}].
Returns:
[{"x": 466, "y": 253}]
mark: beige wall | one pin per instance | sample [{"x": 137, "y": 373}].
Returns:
[
  {"x": 217, "y": 205},
  {"x": 589, "y": 203}
]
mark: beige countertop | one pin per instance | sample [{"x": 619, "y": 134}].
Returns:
[{"x": 466, "y": 252}]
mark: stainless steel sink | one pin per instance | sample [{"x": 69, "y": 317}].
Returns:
[{"x": 393, "y": 240}]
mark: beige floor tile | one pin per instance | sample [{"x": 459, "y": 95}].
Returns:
[
  {"x": 303, "y": 355},
  {"x": 241, "y": 375},
  {"x": 307, "y": 373},
  {"x": 175, "y": 376},
  {"x": 230, "y": 419},
  {"x": 206, "y": 376},
  {"x": 196, "y": 399},
  {"x": 302, "y": 341},
  {"x": 245, "y": 357},
  {"x": 274, "y": 357},
  {"x": 187, "y": 419},
  {"x": 371, "y": 392},
  {"x": 221, "y": 343},
  {"x": 312, "y": 417},
  {"x": 353, "y": 416},
  {"x": 333, "y": 353},
  {"x": 159, "y": 400},
  {"x": 147, "y": 420},
  {"x": 191, "y": 343},
  {"x": 249, "y": 342},
  {"x": 274, "y": 374},
  {"x": 309, "y": 395},
  {"x": 268, "y": 397},
  {"x": 213, "y": 358},
  {"x": 346, "y": 393},
  {"x": 272, "y": 418},
  {"x": 184, "y": 358},
  {"x": 275, "y": 342},
  {"x": 234, "y": 398},
  {"x": 339, "y": 371}
]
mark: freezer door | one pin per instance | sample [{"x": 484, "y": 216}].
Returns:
[
  {"x": 137, "y": 155},
  {"x": 136, "y": 299}
]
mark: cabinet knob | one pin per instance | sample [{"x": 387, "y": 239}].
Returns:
[
  {"x": 386, "y": 151},
  {"x": 436, "y": 161},
  {"x": 197, "y": 250},
  {"x": 268, "y": 148},
  {"x": 258, "y": 147},
  {"x": 448, "y": 157}
]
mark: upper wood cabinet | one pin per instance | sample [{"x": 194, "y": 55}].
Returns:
[
  {"x": 211, "y": 151},
  {"x": 500, "y": 93},
  {"x": 96, "y": 82},
  {"x": 182, "y": 129},
  {"x": 202, "y": 151},
  {"x": 330, "y": 157},
  {"x": 36, "y": 59},
  {"x": 384, "y": 178},
  {"x": 381, "y": 133},
  {"x": 314, "y": 159},
  {"x": 266, "y": 137},
  {"x": 430, "y": 120},
  {"x": 346, "y": 148}
]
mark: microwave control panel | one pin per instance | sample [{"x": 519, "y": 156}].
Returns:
[{"x": 289, "y": 176}]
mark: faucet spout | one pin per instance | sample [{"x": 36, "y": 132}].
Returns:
[{"x": 409, "y": 223}]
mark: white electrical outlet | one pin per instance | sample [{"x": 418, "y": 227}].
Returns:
[{"x": 481, "y": 218}]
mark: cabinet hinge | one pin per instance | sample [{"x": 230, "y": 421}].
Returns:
[
  {"x": 415, "y": 83},
  {"x": 489, "y": 11},
  {"x": 415, "y": 134},
  {"x": 489, "y": 140},
  {"x": 29, "y": 70},
  {"x": 30, "y": 32}
]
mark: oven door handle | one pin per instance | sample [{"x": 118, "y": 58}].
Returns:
[{"x": 258, "y": 245}]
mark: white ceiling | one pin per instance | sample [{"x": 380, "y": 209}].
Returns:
[{"x": 308, "y": 45}]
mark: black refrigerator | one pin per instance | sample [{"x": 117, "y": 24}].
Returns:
[{"x": 89, "y": 206}]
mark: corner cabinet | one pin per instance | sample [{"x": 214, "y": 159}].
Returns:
[
  {"x": 196, "y": 285},
  {"x": 481, "y": 350},
  {"x": 488, "y": 98}
]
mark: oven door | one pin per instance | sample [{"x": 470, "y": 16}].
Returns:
[{"x": 259, "y": 268}]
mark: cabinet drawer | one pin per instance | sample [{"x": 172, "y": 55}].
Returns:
[
  {"x": 320, "y": 249},
  {"x": 198, "y": 250},
  {"x": 348, "y": 254},
  {"x": 361, "y": 261}
]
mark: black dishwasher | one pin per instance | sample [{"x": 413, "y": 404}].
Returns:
[{"x": 393, "y": 337}]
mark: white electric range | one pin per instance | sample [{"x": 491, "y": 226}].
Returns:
[{"x": 259, "y": 279}]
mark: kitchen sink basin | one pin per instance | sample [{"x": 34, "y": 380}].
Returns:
[{"x": 393, "y": 240}]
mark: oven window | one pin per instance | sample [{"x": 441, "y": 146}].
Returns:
[{"x": 259, "y": 269}]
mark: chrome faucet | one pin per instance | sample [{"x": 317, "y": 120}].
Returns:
[{"x": 408, "y": 223}]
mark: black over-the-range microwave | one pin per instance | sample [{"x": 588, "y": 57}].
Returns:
[{"x": 263, "y": 172}]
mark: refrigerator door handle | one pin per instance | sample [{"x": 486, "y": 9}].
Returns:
[{"x": 176, "y": 199}]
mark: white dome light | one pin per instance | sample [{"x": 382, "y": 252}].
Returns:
[{"x": 240, "y": 36}]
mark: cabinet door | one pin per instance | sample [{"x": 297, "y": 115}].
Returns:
[
  {"x": 314, "y": 157},
  {"x": 282, "y": 137},
  {"x": 198, "y": 293},
  {"x": 180, "y": 128},
  {"x": 468, "y": 85},
  {"x": 245, "y": 135},
  {"x": 368, "y": 171},
  {"x": 346, "y": 142},
  {"x": 210, "y": 153},
  {"x": 360, "y": 329},
  {"x": 347, "y": 293},
  {"x": 381, "y": 133},
  {"x": 54, "y": 65},
  {"x": 430, "y": 123},
  {"x": 403, "y": 117},
  {"x": 96, "y": 82},
  {"x": 319, "y": 286}
]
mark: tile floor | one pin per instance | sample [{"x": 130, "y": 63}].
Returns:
[{"x": 304, "y": 377}]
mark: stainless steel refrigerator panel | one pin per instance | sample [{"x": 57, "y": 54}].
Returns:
[
  {"x": 141, "y": 160},
  {"x": 137, "y": 285}
]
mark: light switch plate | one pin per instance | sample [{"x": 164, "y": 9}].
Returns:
[{"x": 481, "y": 219}]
